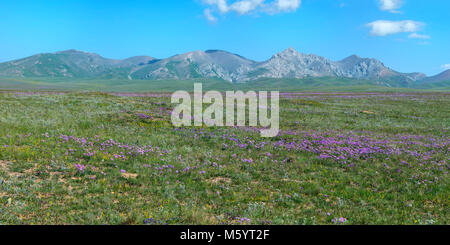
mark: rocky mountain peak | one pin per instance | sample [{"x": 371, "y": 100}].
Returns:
[
  {"x": 290, "y": 52},
  {"x": 352, "y": 59}
]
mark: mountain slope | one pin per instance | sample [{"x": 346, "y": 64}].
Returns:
[
  {"x": 441, "y": 77},
  {"x": 70, "y": 63},
  {"x": 440, "y": 81},
  {"x": 356, "y": 67},
  {"x": 292, "y": 64},
  {"x": 286, "y": 64},
  {"x": 211, "y": 63}
]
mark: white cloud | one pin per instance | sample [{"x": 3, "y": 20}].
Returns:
[
  {"x": 242, "y": 7},
  {"x": 445, "y": 67},
  {"x": 209, "y": 16},
  {"x": 221, "y": 4},
  {"x": 386, "y": 27},
  {"x": 418, "y": 36},
  {"x": 390, "y": 5},
  {"x": 287, "y": 5},
  {"x": 245, "y": 6}
]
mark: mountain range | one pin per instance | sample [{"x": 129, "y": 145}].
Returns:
[{"x": 211, "y": 64}]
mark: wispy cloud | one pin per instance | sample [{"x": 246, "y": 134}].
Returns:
[
  {"x": 209, "y": 16},
  {"x": 445, "y": 67},
  {"x": 243, "y": 7},
  {"x": 418, "y": 36},
  {"x": 391, "y": 5},
  {"x": 386, "y": 27}
]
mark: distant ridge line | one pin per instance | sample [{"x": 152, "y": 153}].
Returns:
[{"x": 212, "y": 63}]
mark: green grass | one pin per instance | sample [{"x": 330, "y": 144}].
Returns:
[
  {"x": 220, "y": 181},
  {"x": 114, "y": 85},
  {"x": 443, "y": 86}
]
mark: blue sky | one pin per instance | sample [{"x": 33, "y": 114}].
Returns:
[{"x": 407, "y": 35}]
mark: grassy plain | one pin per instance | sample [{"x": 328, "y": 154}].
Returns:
[
  {"x": 341, "y": 158},
  {"x": 325, "y": 84}
]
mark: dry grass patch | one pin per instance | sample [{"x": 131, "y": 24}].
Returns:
[
  {"x": 4, "y": 165},
  {"x": 219, "y": 180},
  {"x": 129, "y": 175}
]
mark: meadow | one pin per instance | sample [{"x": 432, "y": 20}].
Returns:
[
  {"x": 316, "y": 84},
  {"x": 115, "y": 158}
]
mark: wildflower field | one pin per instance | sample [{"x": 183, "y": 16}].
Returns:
[{"x": 340, "y": 158}]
